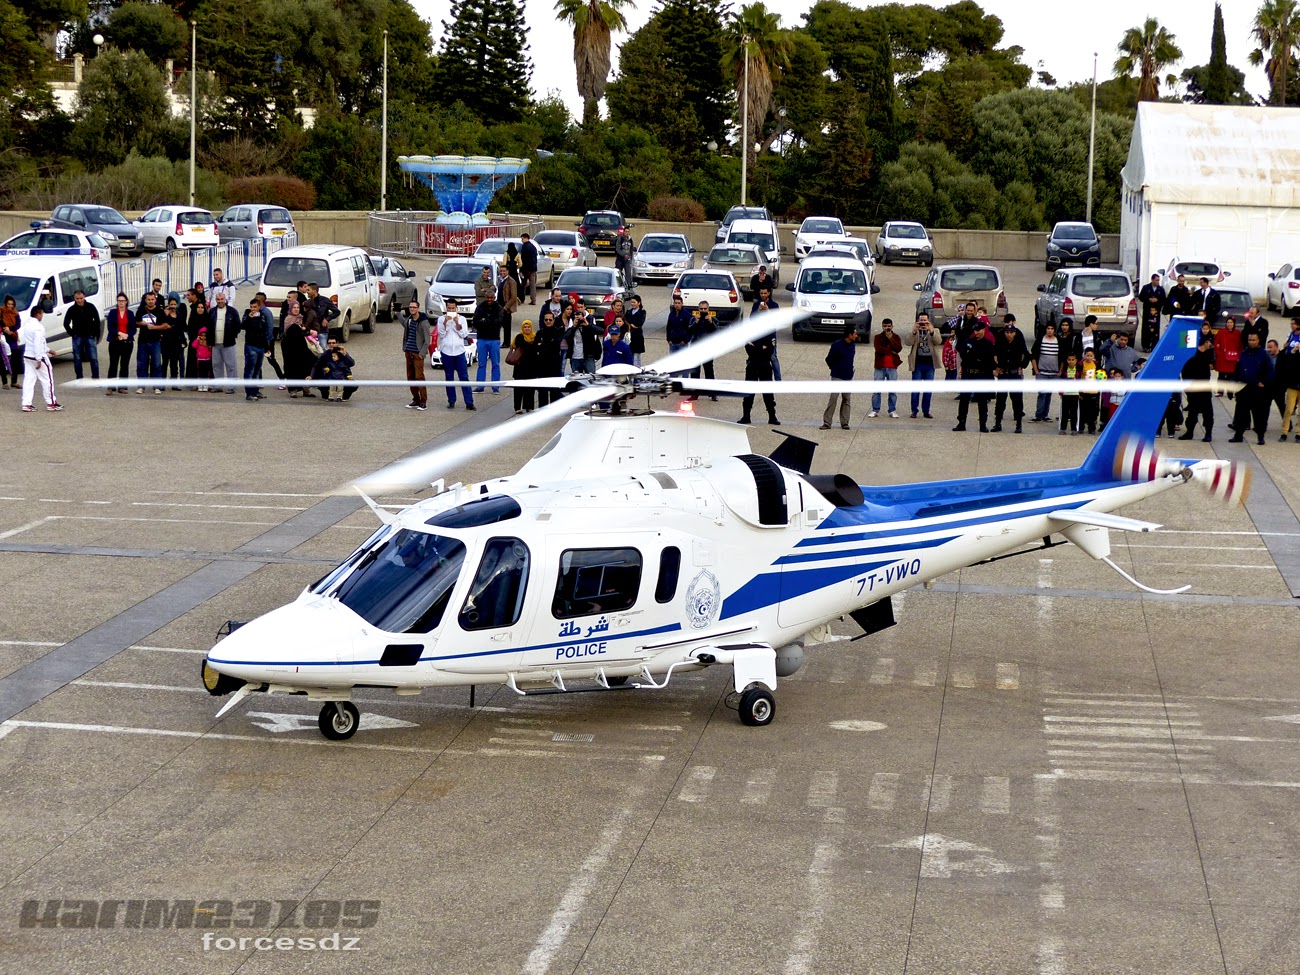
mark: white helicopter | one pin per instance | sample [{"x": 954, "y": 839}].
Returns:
[{"x": 637, "y": 545}]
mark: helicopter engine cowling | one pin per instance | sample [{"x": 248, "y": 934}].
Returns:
[{"x": 789, "y": 659}]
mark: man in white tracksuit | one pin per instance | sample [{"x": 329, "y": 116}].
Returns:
[{"x": 31, "y": 336}]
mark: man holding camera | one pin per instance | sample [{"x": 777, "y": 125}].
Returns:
[{"x": 452, "y": 330}]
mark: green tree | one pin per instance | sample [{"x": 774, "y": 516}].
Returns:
[
  {"x": 930, "y": 184},
  {"x": 244, "y": 44},
  {"x": 1148, "y": 50},
  {"x": 694, "y": 30},
  {"x": 1276, "y": 29},
  {"x": 46, "y": 18},
  {"x": 756, "y": 32},
  {"x": 152, "y": 28},
  {"x": 341, "y": 159},
  {"x": 800, "y": 93},
  {"x": 122, "y": 106},
  {"x": 594, "y": 22},
  {"x": 1217, "y": 82},
  {"x": 484, "y": 60},
  {"x": 858, "y": 52},
  {"x": 842, "y": 163}
]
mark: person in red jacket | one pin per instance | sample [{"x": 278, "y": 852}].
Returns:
[
  {"x": 1227, "y": 350},
  {"x": 889, "y": 351}
]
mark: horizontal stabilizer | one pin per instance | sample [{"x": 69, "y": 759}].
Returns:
[{"x": 1102, "y": 520}]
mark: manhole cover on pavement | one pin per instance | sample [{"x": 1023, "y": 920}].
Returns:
[{"x": 565, "y": 737}]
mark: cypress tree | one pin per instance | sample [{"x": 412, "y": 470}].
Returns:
[
  {"x": 1218, "y": 79},
  {"x": 484, "y": 60}
]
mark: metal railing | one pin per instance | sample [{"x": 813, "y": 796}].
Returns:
[
  {"x": 416, "y": 233},
  {"x": 242, "y": 262}
]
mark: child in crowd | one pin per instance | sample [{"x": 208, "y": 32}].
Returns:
[
  {"x": 202, "y": 356},
  {"x": 1070, "y": 401},
  {"x": 1110, "y": 401},
  {"x": 1090, "y": 403}
]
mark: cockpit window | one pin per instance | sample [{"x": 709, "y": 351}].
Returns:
[
  {"x": 596, "y": 580},
  {"x": 481, "y": 511},
  {"x": 404, "y": 584},
  {"x": 496, "y": 596},
  {"x": 326, "y": 582}
]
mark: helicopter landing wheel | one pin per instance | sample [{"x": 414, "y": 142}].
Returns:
[
  {"x": 339, "y": 720},
  {"x": 757, "y": 707}
]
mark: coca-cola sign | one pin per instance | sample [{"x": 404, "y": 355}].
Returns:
[{"x": 440, "y": 238}]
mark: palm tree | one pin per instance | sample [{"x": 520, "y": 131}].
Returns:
[
  {"x": 593, "y": 23},
  {"x": 1148, "y": 48},
  {"x": 757, "y": 30},
  {"x": 1277, "y": 28}
]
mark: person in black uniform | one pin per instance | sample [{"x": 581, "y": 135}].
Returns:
[{"x": 977, "y": 362}]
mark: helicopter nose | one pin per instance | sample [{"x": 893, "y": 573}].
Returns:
[{"x": 298, "y": 643}]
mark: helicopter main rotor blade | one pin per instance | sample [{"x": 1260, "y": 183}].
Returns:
[
  {"x": 728, "y": 338},
  {"x": 419, "y": 470},
  {"x": 548, "y": 382},
  {"x": 825, "y": 387}
]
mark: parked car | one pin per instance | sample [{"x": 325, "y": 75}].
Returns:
[
  {"x": 1284, "y": 288},
  {"x": 346, "y": 275},
  {"x": 738, "y": 213},
  {"x": 57, "y": 241},
  {"x": 764, "y": 234},
  {"x": 102, "y": 220},
  {"x": 248, "y": 221},
  {"x": 495, "y": 248},
  {"x": 1073, "y": 244},
  {"x": 566, "y": 249},
  {"x": 816, "y": 230},
  {"x": 51, "y": 281},
  {"x": 1193, "y": 270},
  {"x": 950, "y": 285},
  {"x": 171, "y": 227},
  {"x": 455, "y": 278},
  {"x": 856, "y": 246},
  {"x": 741, "y": 261},
  {"x": 662, "y": 257},
  {"x": 1236, "y": 302},
  {"x": 1078, "y": 293},
  {"x": 833, "y": 289},
  {"x": 718, "y": 288},
  {"x": 601, "y": 228},
  {"x": 904, "y": 242},
  {"x": 596, "y": 286},
  {"x": 397, "y": 287}
]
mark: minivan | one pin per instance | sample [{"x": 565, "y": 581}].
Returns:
[
  {"x": 764, "y": 234},
  {"x": 833, "y": 291},
  {"x": 346, "y": 275}
]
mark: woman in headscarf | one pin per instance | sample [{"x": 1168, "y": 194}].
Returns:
[
  {"x": 11, "y": 355},
  {"x": 298, "y": 359},
  {"x": 527, "y": 353}
]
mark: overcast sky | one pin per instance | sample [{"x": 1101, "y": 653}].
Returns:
[{"x": 1060, "y": 35}]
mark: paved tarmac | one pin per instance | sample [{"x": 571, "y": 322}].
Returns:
[{"x": 1039, "y": 770}]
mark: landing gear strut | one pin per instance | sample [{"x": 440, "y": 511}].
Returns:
[{"x": 339, "y": 720}]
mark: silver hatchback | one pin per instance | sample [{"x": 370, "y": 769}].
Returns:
[{"x": 1076, "y": 293}]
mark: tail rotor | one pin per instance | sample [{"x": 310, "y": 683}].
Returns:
[{"x": 1139, "y": 460}]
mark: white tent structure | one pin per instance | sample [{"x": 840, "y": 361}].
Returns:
[{"x": 1214, "y": 182}]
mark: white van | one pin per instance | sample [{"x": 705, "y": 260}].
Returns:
[
  {"x": 834, "y": 291},
  {"x": 764, "y": 234},
  {"x": 53, "y": 281},
  {"x": 346, "y": 275}
]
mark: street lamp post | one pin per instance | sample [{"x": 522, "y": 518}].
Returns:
[
  {"x": 194, "y": 99},
  {"x": 383, "y": 139},
  {"x": 744, "y": 127},
  {"x": 1092, "y": 135},
  {"x": 98, "y": 40}
]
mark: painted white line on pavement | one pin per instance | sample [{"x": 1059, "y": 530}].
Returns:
[
  {"x": 195, "y": 504},
  {"x": 1008, "y": 677},
  {"x": 1057, "y": 701},
  {"x": 141, "y": 646},
  {"x": 995, "y": 796},
  {"x": 574, "y": 900},
  {"x": 1147, "y": 722},
  {"x": 27, "y": 527},
  {"x": 696, "y": 788},
  {"x": 30, "y": 643},
  {"x": 821, "y": 792},
  {"x": 207, "y": 736},
  {"x": 758, "y": 786},
  {"x": 937, "y": 792},
  {"x": 124, "y": 685},
  {"x": 883, "y": 791}
]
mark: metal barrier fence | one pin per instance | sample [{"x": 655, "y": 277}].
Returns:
[
  {"x": 242, "y": 261},
  {"x": 416, "y": 233}
]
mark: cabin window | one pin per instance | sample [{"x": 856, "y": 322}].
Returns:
[
  {"x": 670, "y": 566},
  {"x": 596, "y": 580},
  {"x": 496, "y": 596}
]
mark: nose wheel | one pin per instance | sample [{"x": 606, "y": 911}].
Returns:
[{"x": 339, "y": 720}]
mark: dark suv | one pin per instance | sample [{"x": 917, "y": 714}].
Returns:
[
  {"x": 601, "y": 227},
  {"x": 1072, "y": 243}
]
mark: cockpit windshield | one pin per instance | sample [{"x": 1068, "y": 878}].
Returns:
[{"x": 403, "y": 585}]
